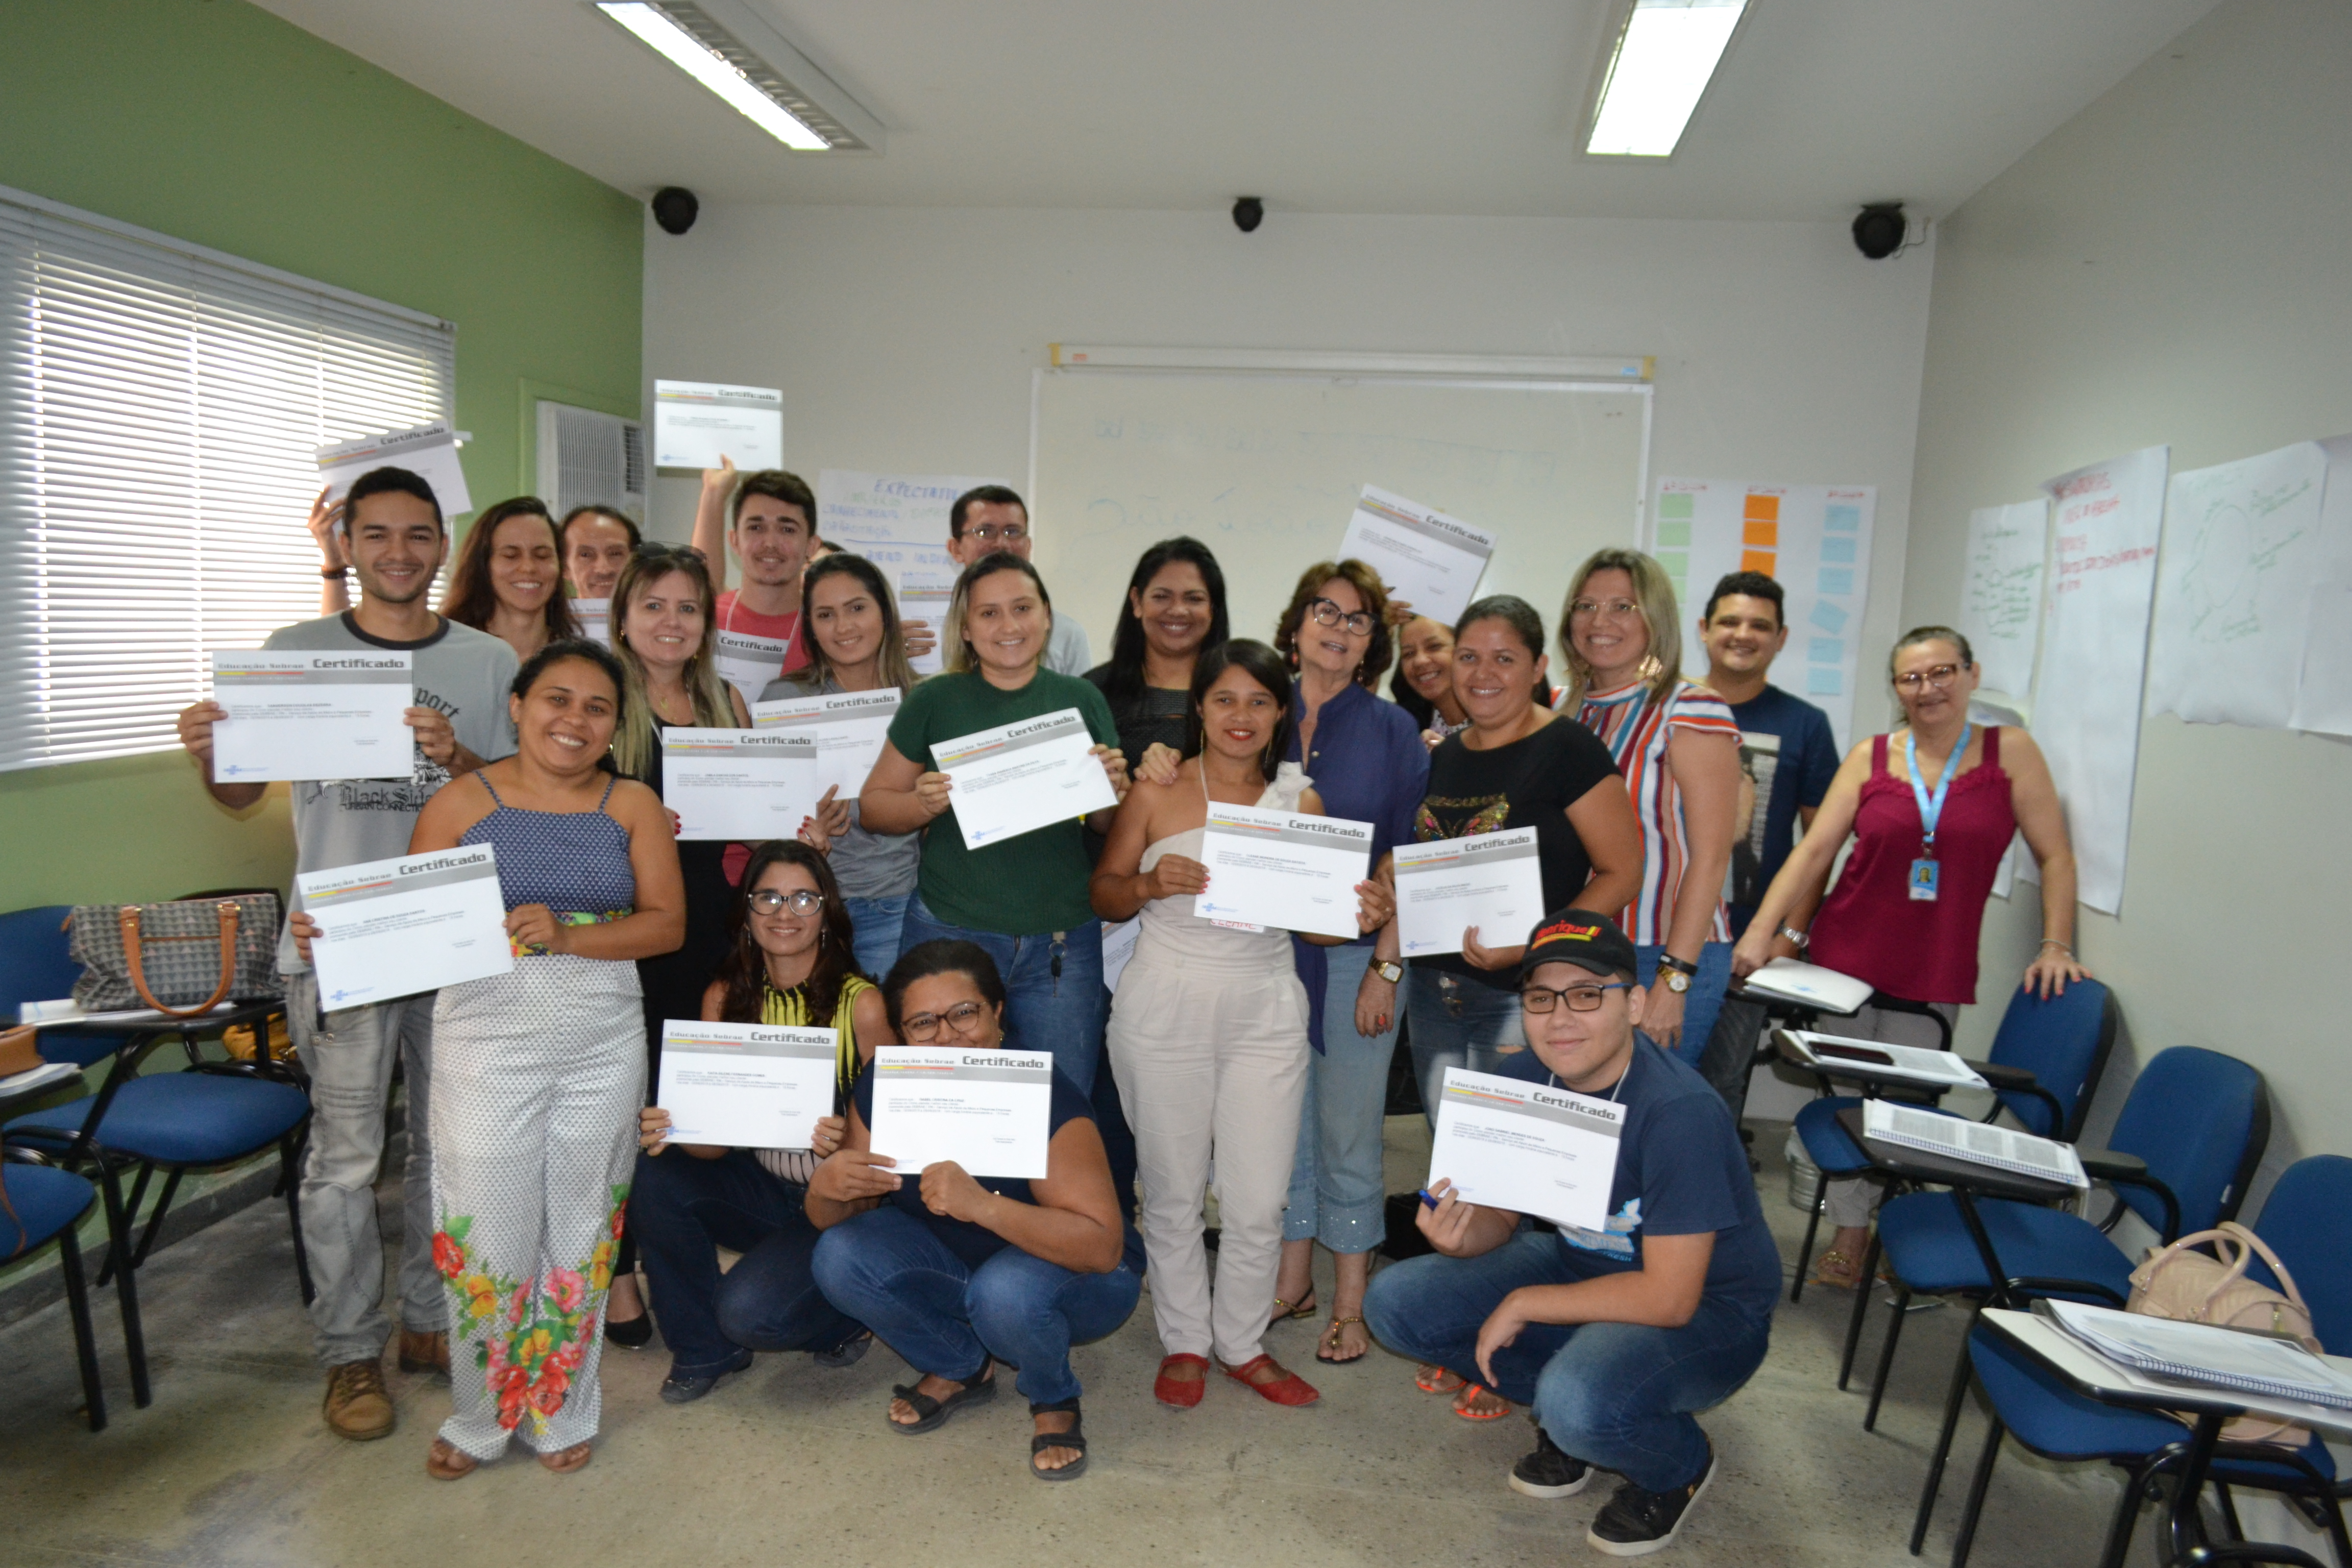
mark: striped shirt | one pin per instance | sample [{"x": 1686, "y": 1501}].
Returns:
[
  {"x": 790, "y": 1010},
  {"x": 1635, "y": 730}
]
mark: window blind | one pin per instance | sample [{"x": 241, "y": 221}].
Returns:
[{"x": 158, "y": 404}]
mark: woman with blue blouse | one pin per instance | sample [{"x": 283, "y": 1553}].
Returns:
[{"x": 1368, "y": 763}]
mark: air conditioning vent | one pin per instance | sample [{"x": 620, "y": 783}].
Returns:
[{"x": 591, "y": 459}]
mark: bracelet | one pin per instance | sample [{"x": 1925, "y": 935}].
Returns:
[
  {"x": 1802, "y": 939},
  {"x": 334, "y": 572},
  {"x": 2053, "y": 941}
]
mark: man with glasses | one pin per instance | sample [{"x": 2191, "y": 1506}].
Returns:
[
  {"x": 990, "y": 518},
  {"x": 1614, "y": 1336}
]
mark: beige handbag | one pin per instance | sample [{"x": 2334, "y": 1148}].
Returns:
[{"x": 2185, "y": 1284}]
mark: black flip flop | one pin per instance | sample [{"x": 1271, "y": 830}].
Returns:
[
  {"x": 1075, "y": 1437},
  {"x": 933, "y": 1413}
]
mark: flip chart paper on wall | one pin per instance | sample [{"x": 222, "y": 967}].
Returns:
[
  {"x": 2105, "y": 522},
  {"x": 2322, "y": 702},
  {"x": 2001, "y": 591},
  {"x": 428, "y": 451},
  {"x": 853, "y": 508},
  {"x": 697, "y": 423},
  {"x": 2241, "y": 548},
  {"x": 1813, "y": 540}
]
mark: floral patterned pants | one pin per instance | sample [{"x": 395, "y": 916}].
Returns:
[{"x": 535, "y": 1137}]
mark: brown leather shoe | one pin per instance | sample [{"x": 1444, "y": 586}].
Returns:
[
  {"x": 357, "y": 1406},
  {"x": 424, "y": 1353}
]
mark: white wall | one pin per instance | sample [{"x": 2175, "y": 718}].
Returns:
[
  {"x": 2169, "y": 266},
  {"x": 904, "y": 338}
]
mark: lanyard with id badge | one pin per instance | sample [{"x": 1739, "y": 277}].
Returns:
[{"x": 1926, "y": 871}]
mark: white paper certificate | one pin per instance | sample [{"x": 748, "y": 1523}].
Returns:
[
  {"x": 313, "y": 716},
  {"x": 1523, "y": 1147},
  {"x": 1491, "y": 880},
  {"x": 1022, "y": 777},
  {"x": 738, "y": 784},
  {"x": 989, "y": 1112},
  {"x": 923, "y": 597},
  {"x": 747, "y": 663},
  {"x": 595, "y": 618},
  {"x": 745, "y": 1086},
  {"x": 415, "y": 922},
  {"x": 696, "y": 423},
  {"x": 428, "y": 451},
  {"x": 1429, "y": 560},
  {"x": 848, "y": 727},
  {"x": 1280, "y": 870}
]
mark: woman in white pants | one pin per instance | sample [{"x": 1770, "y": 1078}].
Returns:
[{"x": 1208, "y": 1033}]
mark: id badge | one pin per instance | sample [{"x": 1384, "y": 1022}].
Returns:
[{"x": 1923, "y": 882}]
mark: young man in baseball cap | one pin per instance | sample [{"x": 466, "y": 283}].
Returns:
[{"x": 1613, "y": 1336}]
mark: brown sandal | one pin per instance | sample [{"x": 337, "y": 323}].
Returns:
[
  {"x": 1283, "y": 1312},
  {"x": 563, "y": 1461},
  {"x": 1331, "y": 1342},
  {"x": 1836, "y": 1270},
  {"x": 445, "y": 1461}
]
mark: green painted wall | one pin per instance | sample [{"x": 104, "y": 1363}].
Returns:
[{"x": 214, "y": 122}]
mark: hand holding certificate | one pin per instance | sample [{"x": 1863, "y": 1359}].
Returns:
[
  {"x": 1489, "y": 881},
  {"x": 745, "y": 1086},
  {"x": 1509, "y": 1144},
  {"x": 417, "y": 923},
  {"x": 313, "y": 716},
  {"x": 988, "y": 1111},
  {"x": 1425, "y": 558},
  {"x": 848, "y": 727},
  {"x": 1022, "y": 777},
  {"x": 743, "y": 785},
  {"x": 1281, "y": 869}
]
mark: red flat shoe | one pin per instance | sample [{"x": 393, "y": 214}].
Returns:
[
  {"x": 1288, "y": 1389},
  {"x": 1183, "y": 1393}
]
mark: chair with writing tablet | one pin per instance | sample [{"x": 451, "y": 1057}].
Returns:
[
  {"x": 2044, "y": 1066},
  {"x": 2182, "y": 1152},
  {"x": 2303, "y": 1221}
]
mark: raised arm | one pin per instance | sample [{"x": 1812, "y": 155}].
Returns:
[{"x": 710, "y": 519}]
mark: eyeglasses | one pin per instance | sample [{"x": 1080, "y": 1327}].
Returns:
[
  {"x": 1936, "y": 676},
  {"x": 1328, "y": 614},
  {"x": 800, "y": 901},
  {"x": 1009, "y": 534},
  {"x": 963, "y": 1018},
  {"x": 1586, "y": 609},
  {"x": 1579, "y": 998}
]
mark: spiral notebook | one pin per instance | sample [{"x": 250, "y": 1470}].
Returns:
[
  {"x": 1999, "y": 1147},
  {"x": 2206, "y": 1354}
]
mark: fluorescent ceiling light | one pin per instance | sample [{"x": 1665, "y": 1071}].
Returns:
[
  {"x": 1665, "y": 56},
  {"x": 692, "y": 40}
]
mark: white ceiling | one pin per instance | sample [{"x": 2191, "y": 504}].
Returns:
[{"x": 1335, "y": 106}]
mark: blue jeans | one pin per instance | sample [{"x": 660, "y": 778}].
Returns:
[
  {"x": 1336, "y": 1181},
  {"x": 881, "y": 925},
  {"x": 1702, "y": 1001},
  {"x": 1616, "y": 1396},
  {"x": 885, "y": 1268},
  {"x": 682, "y": 1210},
  {"x": 1456, "y": 1023},
  {"x": 1053, "y": 992}
]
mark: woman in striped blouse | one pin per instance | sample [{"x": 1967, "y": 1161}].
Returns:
[
  {"x": 790, "y": 964},
  {"x": 1679, "y": 747}
]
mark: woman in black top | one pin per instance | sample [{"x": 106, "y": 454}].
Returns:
[{"x": 1175, "y": 607}]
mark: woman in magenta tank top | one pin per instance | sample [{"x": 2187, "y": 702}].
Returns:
[{"x": 1931, "y": 808}]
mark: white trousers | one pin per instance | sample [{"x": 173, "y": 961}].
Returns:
[{"x": 1212, "y": 1060}]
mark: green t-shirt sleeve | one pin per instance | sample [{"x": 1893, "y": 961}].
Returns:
[
  {"x": 1095, "y": 710},
  {"x": 911, "y": 731}
]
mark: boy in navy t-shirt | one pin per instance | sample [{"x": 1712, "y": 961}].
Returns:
[{"x": 1614, "y": 1336}]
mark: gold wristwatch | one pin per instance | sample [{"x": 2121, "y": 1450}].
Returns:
[
  {"x": 1391, "y": 973},
  {"x": 1675, "y": 973}
]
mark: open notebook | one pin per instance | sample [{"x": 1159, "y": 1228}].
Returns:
[
  {"x": 1914, "y": 1064},
  {"x": 1999, "y": 1147},
  {"x": 1787, "y": 980},
  {"x": 2206, "y": 1355}
]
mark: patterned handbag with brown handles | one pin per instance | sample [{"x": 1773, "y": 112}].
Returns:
[
  {"x": 2188, "y": 1286},
  {"x": 181, "y": 959}
]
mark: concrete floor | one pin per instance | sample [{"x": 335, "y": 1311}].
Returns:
[{"x": 231, "y": 1465}]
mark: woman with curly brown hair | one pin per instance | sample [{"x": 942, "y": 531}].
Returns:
[{"x": 509, "y": 580}]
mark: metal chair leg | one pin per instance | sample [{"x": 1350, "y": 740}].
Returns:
[
  {"x": 1805, "y": 1252},
  {"x": 116, "y": 1251},
  {"x": 126, "y": 1284},
  {"x": 289, "y": 1160},
  {"x": 2228, "y": 1510},
  {"x": 2136, "y": 1482},
  {"x": 93, "y": 1393},
  {"x": 1861, "y": 1308},
  {"x": 155, "y": 1220},
  {"x": 1902, "y": 1310},
  {"x": 1976, "y": 1485},
  {"x": 1962, "y": 1375}
]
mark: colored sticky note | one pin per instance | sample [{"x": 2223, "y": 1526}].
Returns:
[
  {"x": 1676, "y": 562},
  {"x": 1673, "y": 535},
  {"x": 1840, "y": 550},
  {"x": 1756, "y": 561},
  {"x": 1829, "y": 617},
  {"x": 1837, "y": 580},
  {"x": 1825, "y": 650},
  {"x": 1759, "y": 535},
  {"x": 1677, "y": 506},
  {"x": 1841, "y": 519},
  {"x": 1824, "y": 680},
  {"x": 1763, "y": 509}
]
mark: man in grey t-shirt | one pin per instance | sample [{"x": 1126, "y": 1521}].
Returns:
[
  {"x": 990, "y": 518},
  {"x": 397, "y": 539}
]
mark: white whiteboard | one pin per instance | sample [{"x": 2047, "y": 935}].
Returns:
[{"x": 1265, "y": 470}]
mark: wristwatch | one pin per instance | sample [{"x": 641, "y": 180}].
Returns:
[
  {"x": 1391, "y": 973},
  {"x": 1676, "y": 973},
  {"x": 1801, "y": 939}
]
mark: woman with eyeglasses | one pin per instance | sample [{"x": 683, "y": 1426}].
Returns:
[
  {"x": 1023, "y": 900},
  {"x": 789, "y": 965},
  {"x": 1367, "y": 763},
  {"x": 1931, "y": 807},
  {"x": 855, "y": 644},
  {"x": 957, "y": 1273}
]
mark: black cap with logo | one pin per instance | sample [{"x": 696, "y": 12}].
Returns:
[{"x": 1590, "y": 941}]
